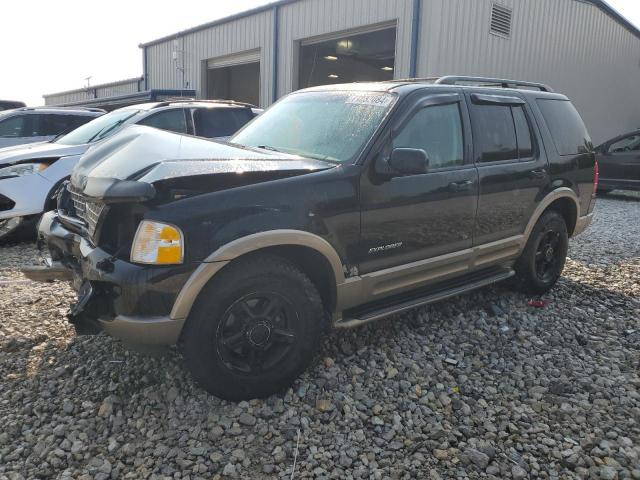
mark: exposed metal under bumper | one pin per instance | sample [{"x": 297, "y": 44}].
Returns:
[
  {"x": 582, "y": 224},
  {"x": 48, "y": 273},
  {"x": 152, "y": 331}
]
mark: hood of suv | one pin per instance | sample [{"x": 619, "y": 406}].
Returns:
[
  {"x": 36, "y": 151},
  {"x": 128, "y": 165}
]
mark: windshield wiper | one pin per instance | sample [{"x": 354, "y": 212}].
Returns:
[
  {"x": 105, "y": 130},
  {"x": 270, "y": 148},
  {"x": 62, "y": 134}
]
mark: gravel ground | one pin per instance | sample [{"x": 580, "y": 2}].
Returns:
[{"x": 481, "y": 386}]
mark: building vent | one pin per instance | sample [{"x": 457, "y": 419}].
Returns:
[{"x": 501, "y": 20}]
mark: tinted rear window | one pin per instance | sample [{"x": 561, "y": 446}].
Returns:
[
  {"x": 567, "y": 128},
  {"x": 220, "y": 122}
]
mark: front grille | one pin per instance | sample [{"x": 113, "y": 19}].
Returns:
[{"x": 87, "y": 211}]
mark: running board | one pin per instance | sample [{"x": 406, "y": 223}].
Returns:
[{"x": 354, "y": 319}]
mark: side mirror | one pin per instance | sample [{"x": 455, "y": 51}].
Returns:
[{"x": 409, "y": 161}]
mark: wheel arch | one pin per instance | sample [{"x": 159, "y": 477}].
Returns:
[
  {"x": 312, "y": 254},
  {"x": 563, "y": 200}
]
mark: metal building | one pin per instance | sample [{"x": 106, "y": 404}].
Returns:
[{"x": 582, "y": 48}]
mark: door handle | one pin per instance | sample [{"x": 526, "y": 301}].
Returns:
[
  {"x": 460, "y": 186},
  {"x": 541, "y": 173}
]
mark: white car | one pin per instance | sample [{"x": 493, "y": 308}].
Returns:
[{"x": 30, "y": 175}]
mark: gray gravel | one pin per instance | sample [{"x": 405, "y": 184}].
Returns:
[{"x": 481, "y": 386}]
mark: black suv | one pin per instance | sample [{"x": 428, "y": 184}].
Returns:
[{"x": 338, "y": 206}]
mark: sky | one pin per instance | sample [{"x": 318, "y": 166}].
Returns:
[{"x": 51, "y": 46}]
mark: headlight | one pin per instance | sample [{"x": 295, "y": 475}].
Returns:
[
  {"x": 157, "y": 243},
  {"x": 22, "y": 169}
]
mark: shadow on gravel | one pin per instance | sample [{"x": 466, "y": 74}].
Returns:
[{"x": 625, "y": 196}]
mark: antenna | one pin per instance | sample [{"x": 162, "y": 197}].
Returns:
[{"x": 178, "y": 54}]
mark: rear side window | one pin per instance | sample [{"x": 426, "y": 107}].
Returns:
[
  {"x": 170, "y": 120},
  {"x": 628, "y": 144},
  {"x": 56, "y": 124},
  {"x": 495, "y": 133},
  {"x": 567, "y": 128},
  {"x": 220, "y": 122},
  {"x": 502, "y": 132},
  {"x": 438, "y": 131},
  {"x": 12, "y": 127}
]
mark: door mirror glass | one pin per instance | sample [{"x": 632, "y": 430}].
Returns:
[{"x": 409, "y": 161}]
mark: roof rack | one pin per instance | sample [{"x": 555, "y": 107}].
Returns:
[
  {"x": 500, "y": 82},
  {"x": 166, "y": 103},
  {"x": 53, "y": 107}
]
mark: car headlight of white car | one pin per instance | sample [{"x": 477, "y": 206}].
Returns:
[{"x": 22, "y": 169}]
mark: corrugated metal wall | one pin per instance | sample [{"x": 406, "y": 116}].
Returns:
[
  {"x": 98, "y": 91},
  {"x": 240, "y": 35},
  {"x": 572, "y": 46},
  {"x": 311, "y": 18}
]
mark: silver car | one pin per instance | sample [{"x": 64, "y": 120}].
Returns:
[
  {"x": 29, "y": 125},
  {"x": 30, "y": 175}
]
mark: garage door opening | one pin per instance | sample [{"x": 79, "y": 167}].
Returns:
[
  {"x": 356, "y": 58},
  {"x": 235, "y": 82}
]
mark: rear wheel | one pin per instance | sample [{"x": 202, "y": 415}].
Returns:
[
  {"x": 543, "y": 259},
  {"x": 254, "y": 329}
]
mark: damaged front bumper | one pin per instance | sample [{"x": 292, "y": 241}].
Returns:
[{"x": 130, "y": 302}]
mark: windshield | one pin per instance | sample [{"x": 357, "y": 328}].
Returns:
[
  {"x": 325, "y": 125},
  {"x": 97, "y": 129}
]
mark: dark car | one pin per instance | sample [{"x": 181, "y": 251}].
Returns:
[
  {"x": 340, "y": 205},
  {"x": 40, "y": 124},
  {"x": 619, "y": 163},
  {"x": 10, "y": 104}
]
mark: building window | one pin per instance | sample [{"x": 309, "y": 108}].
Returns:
[{"x": 366, "y": 57}]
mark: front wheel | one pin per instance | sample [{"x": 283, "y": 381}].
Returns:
[
  {"x": 17, "y": 229},
  {"x": 254, "y": 329},
  {"x": 543, "y": 258}
]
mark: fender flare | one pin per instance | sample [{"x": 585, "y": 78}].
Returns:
[
  {"x": 242, "y": 246},
  {"x": 557, "y": 194}
]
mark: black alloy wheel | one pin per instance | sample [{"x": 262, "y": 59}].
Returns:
[
  {"x": 548, "y": 256},
  {"x": 256, "y": 332},
  {"x": 541, "y": 262}
]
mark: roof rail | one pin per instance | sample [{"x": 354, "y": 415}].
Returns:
[
  {"x": 166, "y": 103},
  {"x": 501, "y": 82},
  {"x": 88, "y": 109},
  {"x": 53, "y": 107}
]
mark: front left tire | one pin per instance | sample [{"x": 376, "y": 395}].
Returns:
[{"x": 254, "y": 329}]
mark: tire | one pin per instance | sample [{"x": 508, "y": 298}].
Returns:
[
  {"x": 24, "y": 232},
  {"x": 254, "y": 329},
  {"x": 543, "y": 259}
]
